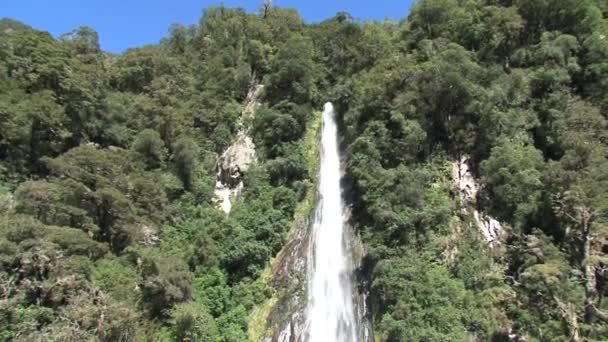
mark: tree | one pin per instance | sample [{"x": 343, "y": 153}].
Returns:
[
  {"x": 108, "y": 165},
  {"x": 543, "y": 278},
  {"x": 113, "y": 213},
  {"x": 63, "y": 203},
  {"x": 83, "y": 39},
  {"x": 166, "y": 281},
  {"x": 446, "y": 90},
  {"x": 37, "y": 60},
  {"x": 266, "y": 7},
  {"x": 35, "y": 128},
  {"x": 92, "y": 166},
  {"x": 432, "y": 17},
  {"x": 294, "y": 79},
  {"x": 513, "y": 174},
  {"x": 135, "y": 70},
  {"x": 150, "y": 148},
  {"x": 583, "y": 205},
  {"x": 568, "y": 16},
  {"x": 273, "y": 129},
  {"x": 418, "y": 300},
  {"x": 192, "y": 322},
  {"x": 503, "y": 26},
  {"x": 596, "y": 77},
  {"x": 185, "y": 157},
  {"x": 282, "y": 23},
  {"x": 148, "y": 198},
  {"x": 179, "y": 37}
]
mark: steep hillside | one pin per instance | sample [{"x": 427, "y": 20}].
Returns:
[{"x": 475, "y": 140}]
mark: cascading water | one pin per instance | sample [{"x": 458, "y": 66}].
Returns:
[{"x": 331, "y": 313}]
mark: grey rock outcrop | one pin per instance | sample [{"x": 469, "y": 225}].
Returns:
[
  {"x": 468, "y": 189},
  {"x": 287, "y": 319},
  {"x": 236, "y": 160}
]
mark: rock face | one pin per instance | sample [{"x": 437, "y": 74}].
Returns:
[
  {"x": 149, "y": 236},
  {"x": 236, "y": 160},
  {"x": 287, "y": 319},
  {"x": 321, "y": 264},
  {"x": 468, "y": 189}
]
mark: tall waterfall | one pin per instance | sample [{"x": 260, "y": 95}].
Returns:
[{"x": 331, "y": 312}]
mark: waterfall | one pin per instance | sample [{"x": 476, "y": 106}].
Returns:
[{"x": 332, "y": 301}]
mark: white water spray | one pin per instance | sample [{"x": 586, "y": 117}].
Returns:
[{"x": 331, "y": 314}]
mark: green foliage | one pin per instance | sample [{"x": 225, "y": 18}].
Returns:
[
  {"x": 117, "y": 278},
  {"x": 108, "y": 163},
  {"x": 166, "y": 281},
  {"x": 7, "y": 24},
  {"x": 192, "y": 322},
  {"x": 295, "y": 73},
  {"x": 185, "y": 153},
  {"x": 34, "y": 128},
  {"x": 150, "y": 148},
  {"x": 273, "y": 128},
  {"x": 423, "y": 302},
  {"x": 135, "y": 70},
  {"x": 279, "y": 136},
  {"x": 516, "y": 86},
  {"x": 83, "y": 39},
  {"x": 513, "y": 173},
  {"x": 112, "y": 161}
]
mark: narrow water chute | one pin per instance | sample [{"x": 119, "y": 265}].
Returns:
[{"x": 331, "y": 312}]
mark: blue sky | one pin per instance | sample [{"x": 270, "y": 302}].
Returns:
[{"x": 129, "y": 23}]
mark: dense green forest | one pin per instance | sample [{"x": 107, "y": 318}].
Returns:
[{"x": 109, "y": 231}]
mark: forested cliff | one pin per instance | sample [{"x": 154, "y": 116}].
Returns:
[{"x": 467, "y": 111}]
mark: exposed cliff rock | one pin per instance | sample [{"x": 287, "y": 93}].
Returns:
[
  {"x": 287, "y": 319},
  {"x": 282, "y": 318},
  {"x": 236, "y": 160},
  {"x": 149, "y": 236},
  {"x": 468, "y": 189}
]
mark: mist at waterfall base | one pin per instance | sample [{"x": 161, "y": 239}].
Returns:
[{"x": 331, "y": 312}]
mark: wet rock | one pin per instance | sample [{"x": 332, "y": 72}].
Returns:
[{"x": 287, "y": 319}]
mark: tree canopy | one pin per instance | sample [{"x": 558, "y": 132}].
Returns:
[{"x": 108, "y": 163}]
